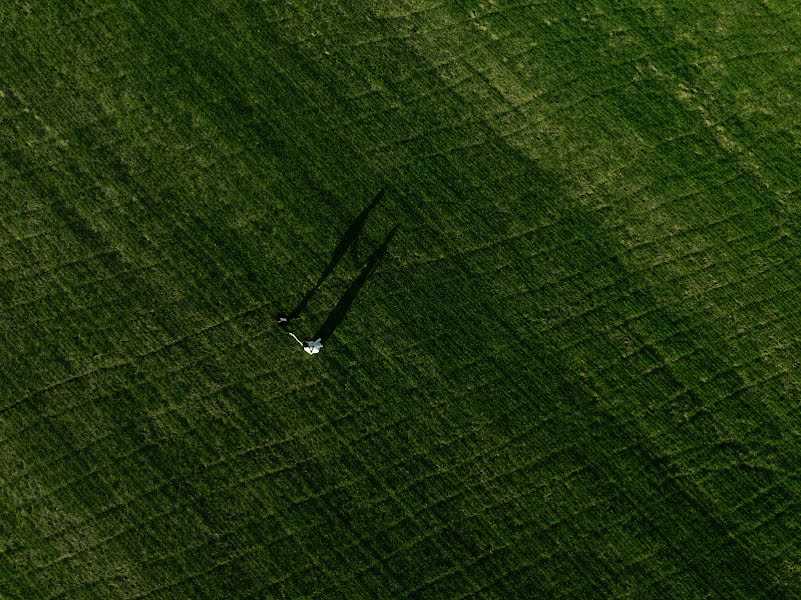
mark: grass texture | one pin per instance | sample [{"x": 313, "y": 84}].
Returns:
[{"x": 573, "y": 373}]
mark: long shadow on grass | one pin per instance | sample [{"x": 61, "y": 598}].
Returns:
[
  {"x": 348, "y": 239},
  {"x": 336, "y": 316}
]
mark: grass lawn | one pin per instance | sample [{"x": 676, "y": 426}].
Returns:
[{"x": 573, "y": 373}]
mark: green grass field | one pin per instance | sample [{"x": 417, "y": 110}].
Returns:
[{"x": 574, "y": 374}]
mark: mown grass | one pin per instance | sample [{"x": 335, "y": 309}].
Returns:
[{"x": 574, "y": 375}]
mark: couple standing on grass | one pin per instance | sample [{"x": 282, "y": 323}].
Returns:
[
  {"x": 311, "y": 347},
  {"x": 339, "y": 311}
]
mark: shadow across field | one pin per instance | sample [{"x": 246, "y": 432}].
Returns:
[
  {"x": 349, "y": 239},
  {"x": 337, "y": 315}
]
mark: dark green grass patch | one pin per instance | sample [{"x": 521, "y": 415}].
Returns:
[{"x": 574, "y": 373}]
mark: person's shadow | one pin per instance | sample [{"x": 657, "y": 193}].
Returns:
[
  {"x": 349, "y": 239},
  {"x": 338, "y": 313}
]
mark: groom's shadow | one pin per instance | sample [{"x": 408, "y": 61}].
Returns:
[{"x": 349, "y": 240}]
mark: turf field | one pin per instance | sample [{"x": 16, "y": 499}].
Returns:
[{"x": 573, "y": 372}]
